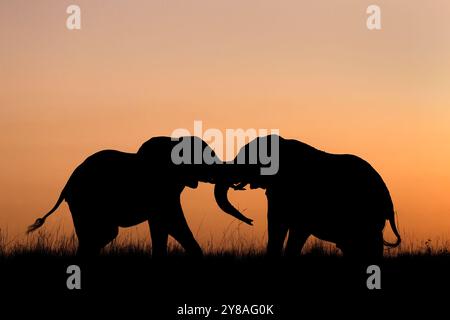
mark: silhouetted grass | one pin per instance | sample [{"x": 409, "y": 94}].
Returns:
[
  {"x": 56, "y": 244},
  {"x": 38, "y": 262}
]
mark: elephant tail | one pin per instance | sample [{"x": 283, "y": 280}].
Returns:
[
  {"x": 396, "y": 233},
  {"x": 40, "y": 221}
]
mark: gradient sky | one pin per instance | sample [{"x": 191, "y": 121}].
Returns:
[{"x": 143, "y": 68}]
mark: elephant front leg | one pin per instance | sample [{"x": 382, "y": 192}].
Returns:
[
  {"x": 180, "y": 230},
  {"x": 159, "y": 234},
  {"x": 277, "y": 230}
]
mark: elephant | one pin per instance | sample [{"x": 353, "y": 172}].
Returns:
[
  {"x": 113, "y": 189},
  {"x": 335, "y": 197}
]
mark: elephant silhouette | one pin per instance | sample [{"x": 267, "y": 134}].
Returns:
[
  {"x": 113, "y": 189},
  {"x": 335, "y": 197}
]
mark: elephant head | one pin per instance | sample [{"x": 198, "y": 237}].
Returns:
[
  {"x": 256, "y": 164},
  {"x": 187, "y": 161}
]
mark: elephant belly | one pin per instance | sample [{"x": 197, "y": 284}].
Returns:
[
  {"x": 116, "y": 210},
  {"x": 327, "y": 234},
  {"x": 131, "y": 219},
  {"x": 325, "y": 229},
  {"x": 340, "y": 225},
  {"x": 127, "y": 214}
]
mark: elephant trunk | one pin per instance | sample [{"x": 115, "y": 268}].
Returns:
[{"x": 221, "y": 195}]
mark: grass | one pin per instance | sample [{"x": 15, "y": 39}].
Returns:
[
  {"x": 231, "y": 244},
  {"x": 234, "y": 270},
  {"x": 38, "y": 263}
]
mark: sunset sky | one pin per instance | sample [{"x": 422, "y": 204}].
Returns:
[{"x": 311, "y": 69}]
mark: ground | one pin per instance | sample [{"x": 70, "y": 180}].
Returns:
[
  {"x": 291, "y": 285},
  {"x": 128, "y": 278}
]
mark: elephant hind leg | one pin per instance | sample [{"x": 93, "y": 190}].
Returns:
[
  {"x": 86, "y": 249},
  {"x": 368, "y": 248},
  {"x": 375, "y": 247},
  {"x": 92, "y": 240}
]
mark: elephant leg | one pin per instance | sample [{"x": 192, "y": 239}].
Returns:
[
  {"x": 368, "y": 247},
  {"x": 277, "y": 231},
  {"x": 179, "y": 229},
  {"x": 92, "y": 235},
  {"x": 159, "y": 234},
  {"x": 92, "y": 240},
  {"x": 296, "y": 241},
  {"x": 374, "y": 247}
]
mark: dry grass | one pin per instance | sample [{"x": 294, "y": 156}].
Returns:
[{"x": 231, "y": 243}]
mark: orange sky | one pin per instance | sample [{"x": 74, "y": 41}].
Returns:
[{"x": 143, "y": 68}]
